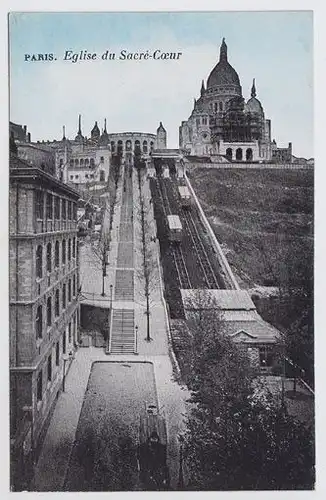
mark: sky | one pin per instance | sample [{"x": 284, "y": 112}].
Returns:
[{"x": 275, "y": 48}]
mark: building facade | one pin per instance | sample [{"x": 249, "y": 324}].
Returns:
[
  {"x": 223, "y": 124},
  {"x": 43, "y": 295}
]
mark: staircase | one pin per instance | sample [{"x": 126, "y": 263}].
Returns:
[
  {"x": 122, "y": 337},
  {"x": 124, "y": 285}
]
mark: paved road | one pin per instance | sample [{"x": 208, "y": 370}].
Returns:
[{"x": 103, "y": 457}]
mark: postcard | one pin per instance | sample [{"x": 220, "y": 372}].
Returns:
[{"x": 161, "y": 244}]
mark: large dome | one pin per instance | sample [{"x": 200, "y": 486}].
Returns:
[{"x": 223, "y": 73}]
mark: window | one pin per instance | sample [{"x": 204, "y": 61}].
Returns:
[
  {"x": 71, "y": 162},
  {"x": 57, "y": 208},
  {"x": 249, "y": 154},
  {"x": 63, "y": 210},
  {"x": 74, "y": 211},
  {"x": 215, "y": 107},
  {"x": 69, "y": 210},
  {"x": 74, "y": 286},
  {"x": 49, "y": 257},
  {"x": 63, "y": 251},
  {"x": 39, "y": 204},
  {"x": 71, "y": 177},
  {"x": 112, "y": 146},
  {"x": 64, "y": 346},
  {"x": 91, "y": 162},
  {"x": 76, "y": 161},
  {"x": 266, "y": 357},
  {"x": 91, "y": 176},
  {"x": 57, "y": 304},
  {"x": 69, "y": 250},
  {"x": 229, "y": 153},
  {"x": 102, "y": 159},
  {"x": 86, "y": 161},
  {"x": 220, "y": 105},
  {"x": 69, "y": 332},
  {"x": 50, "y": 368},
  {"x": 74, "y": 247},
  {"x": 76, "y": 176},
  {"x": 197, "y": 122},
  {"x": 39, "y": 322},
  {"x": 238, "y": 154},
  {"x": 39, "y": 388},
  {"x": 61, "y": 161},
  {"x": 102, "y": 175},
  {"x": 69, "y": 290},
  {"x": 56, "y": 255},
  {"x": 81, "y": 161},
  {"x": 86, "y": 176},
  {"x": 49, "y": 206},
  {"x": 49, "y": 312},
  {"x": 39, "y": 261},
  {"x": 64, "y": 298},
  {"x": 57, "y": 353}
]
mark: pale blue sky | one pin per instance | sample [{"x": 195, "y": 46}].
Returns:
[{"x": 274, "y": 47}]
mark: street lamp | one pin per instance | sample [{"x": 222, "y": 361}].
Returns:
[
  {"x": 136, "y": 340},
  {"x": 181, "y": 479},
  {"x": 66, "y": 358}
]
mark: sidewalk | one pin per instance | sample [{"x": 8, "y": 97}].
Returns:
[{"x": 54, "y": 458}]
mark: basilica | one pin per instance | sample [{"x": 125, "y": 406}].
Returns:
[{"x": 225, "y": 127}]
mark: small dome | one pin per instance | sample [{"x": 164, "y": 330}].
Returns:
[
  {"x": 95, "y": 131},
  {"x": 223, "y": 73},
  {"x": 254, "y": 106},
  {"x": 161, "y": 128}
]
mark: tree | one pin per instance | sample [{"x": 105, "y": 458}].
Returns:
[
  {"x": 101, "y": 247},
  {"x": 234, "y": 438},
  {"x": 149, "y": 265}
]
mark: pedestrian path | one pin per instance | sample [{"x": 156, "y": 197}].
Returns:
[{"x": 122, "y": 339}]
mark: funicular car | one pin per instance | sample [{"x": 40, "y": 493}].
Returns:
[
  {"x": 152, "y": 449},
  {"x": 185, "y": 197},
  {"x": 175, "y": 228}
]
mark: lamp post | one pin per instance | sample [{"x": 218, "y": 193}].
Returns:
[
  {"x": 181, "y": 479},
  {"x": 66, "y": 358},
  {"x": 136, "y": 340}
]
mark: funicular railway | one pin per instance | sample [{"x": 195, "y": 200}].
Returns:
[{"x": 192, "y": 261}]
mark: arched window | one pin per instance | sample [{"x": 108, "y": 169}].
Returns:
[
  {"x": 145, "y": 148},
  {"x": 56, "y": 255},
  {"x": 74, "y": 247},
  {"x": 102, "y": 159},
  {"x": 91, "y": 162},
  {"x": 39, "y": 322},
  {"x": 238, "y": 154},
  {"x": 63, "y": 210},
  {"x": 137, "y": 148},
  {"x": 49, "y": 257},
  {"x": 49, "y": 312},
  {"x": 69, "y": 290},
  {"x": 249, "y": 154},
  {"x": 49, "y": 206},
  {"x": 128, "y": 145},
  {"x": 76, "y": 162},
  {"x": 81, "y": 162},
  {"x": 57, "y": 303},
  {"x": 220, "y": 105},
  {"x": 86, "y": 161},
  {"x": 39, "y": 261},
  {"x": 229, "y": 153},
  {"x": 69, "y": 250},
  {"x": 71, "y": 162},
  {"x": 102, "y": 175},
  {"x": 64, "y": 297},
  {"x": 112, "y": 147},
  {"x": 215, "y": 107},
  {"x": 151, "y": 145},
  {"x": 69, "y": 210},
  {"x": 63, "y": 251},
  {"x": 74, "y": 286}
]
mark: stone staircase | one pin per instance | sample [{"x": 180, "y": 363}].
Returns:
[
  {"x": 122, "y": 339},
  {"x": 124, "y": 285}
]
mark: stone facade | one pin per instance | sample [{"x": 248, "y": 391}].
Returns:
[
  {"x": 43, "y": 295},
  {"x": 223, "y": 124}
]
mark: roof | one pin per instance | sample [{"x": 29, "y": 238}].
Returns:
[
  {"x": 223, "y": 73},
  {"x": 184, "y": 191},
  {"x": 255, "y": 331},
  {"x": 225, "y": 300},
  {"x": 174, "y": 222}
]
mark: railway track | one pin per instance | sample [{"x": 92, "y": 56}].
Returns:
[
  {"x": 198, "y": 245},
  {"x": 181, "y": 268}
]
